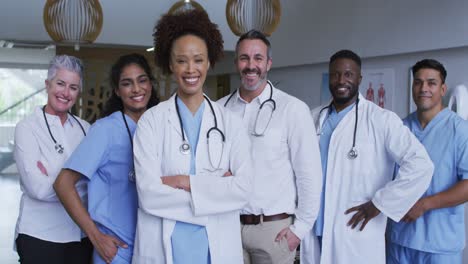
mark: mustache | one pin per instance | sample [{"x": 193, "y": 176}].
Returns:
[
  {"x": 424, "y": 94},
  {"x": 247, "y": 71}
]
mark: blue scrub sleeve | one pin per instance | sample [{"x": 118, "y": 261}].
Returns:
[
  {"x": 92, "y": 151},
  {"x": 462, "y": 168}
]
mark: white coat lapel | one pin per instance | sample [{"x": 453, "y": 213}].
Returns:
[
  {"x": 172, "y": 117},
  {"x": 177, "y": 162},
  {"x": 202, "y": 150}
]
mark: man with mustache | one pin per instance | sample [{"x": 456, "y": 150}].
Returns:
[
  {"x": 433, "y": 230},
  {"x": 360, "y": 144},
  {"x": 287, "y": 174}
]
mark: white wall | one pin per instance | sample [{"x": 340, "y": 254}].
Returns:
[{"x": 311, "y": 30}]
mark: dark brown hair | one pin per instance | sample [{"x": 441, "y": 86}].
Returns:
[
  {"x": 114, "y": 103},
  {"x": 173, "y": 26},
  {"x": 430, "y": 64}
]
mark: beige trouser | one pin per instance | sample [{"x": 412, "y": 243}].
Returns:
[{"x": 260, "y": 247}]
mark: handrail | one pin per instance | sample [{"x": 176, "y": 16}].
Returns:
[{"x": 21, "y": 101}]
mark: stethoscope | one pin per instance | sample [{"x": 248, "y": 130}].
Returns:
[
  {"x": 131, "y": 173},
  {"x": 352, "y": 153},
  {"x": 185, "y": 146},
  {"x": 58, "y": 147},
  {"x": 269, "y": 101}
]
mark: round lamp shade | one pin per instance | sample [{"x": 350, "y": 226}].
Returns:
[
  {"x": 74, "y": 21},
  {"x": 245, "y": 15},
  {"x": 185, "y": 5}
]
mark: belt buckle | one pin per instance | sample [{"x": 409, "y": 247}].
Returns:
[
  {"x": 253, "y": 219},
  {"x": 257, "y": 219}
]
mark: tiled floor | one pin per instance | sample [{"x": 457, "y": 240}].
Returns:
[{"x": 10, "y": 195}]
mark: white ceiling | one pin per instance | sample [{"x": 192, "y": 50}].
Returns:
[
  {"x": 125, "y": 22},
  {"x": 309, "y": 31}
]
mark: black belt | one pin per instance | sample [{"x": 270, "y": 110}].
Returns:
[{"x": 256, "y": 219}]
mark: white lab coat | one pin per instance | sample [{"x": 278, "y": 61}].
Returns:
[
  {"x": 41, "y": 215},
  {"x": 214, "y": 201},
  {"x": 381, "y": 141}
]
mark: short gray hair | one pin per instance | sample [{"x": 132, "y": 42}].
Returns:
[
  {"x": 65, "y": 62},
  {"x": 252, "y": 35}
]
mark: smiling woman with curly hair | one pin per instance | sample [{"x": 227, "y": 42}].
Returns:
[
  {"x": 172, "y": 27},
  {"x": 192, "y": 156}
]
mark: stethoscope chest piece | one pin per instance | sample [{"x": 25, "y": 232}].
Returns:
[
  {"x": 59, "y": 148},
  {"x": 185, "y": 148},
  {"x": 352, "y": 154}
]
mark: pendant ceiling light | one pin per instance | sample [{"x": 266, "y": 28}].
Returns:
[
  {"x": 185, "y": 5},
  {"x": 245, "y": 15},
  {"x": 73, "y": 21}
]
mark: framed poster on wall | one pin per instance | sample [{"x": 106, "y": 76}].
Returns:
[{"x": 377, "y": 86}]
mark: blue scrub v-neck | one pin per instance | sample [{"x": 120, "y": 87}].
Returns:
[{"x": 189, "y": 241}]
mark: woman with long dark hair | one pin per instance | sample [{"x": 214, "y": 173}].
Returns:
[{"x": 105, "y": 158}]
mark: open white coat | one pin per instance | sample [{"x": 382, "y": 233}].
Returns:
[
  {"x": 214, "y": 201},
  {"x": 381, "y": 141}
]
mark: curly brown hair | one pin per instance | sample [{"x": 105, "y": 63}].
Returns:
[{"x": 173, "y": 26}]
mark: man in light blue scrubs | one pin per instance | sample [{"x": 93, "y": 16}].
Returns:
[
  {"x": 433, "y": 231},
  {"x": 189, "y": 241}
]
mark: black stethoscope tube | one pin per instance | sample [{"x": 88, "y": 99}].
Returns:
[
  {"x": 215, "y": 128},
  {"x": 263, "y": 103},
  {"x": 131, "y": 173},
  {"x": 352, "y": 154},
  {"x": 59, "y": 147}
]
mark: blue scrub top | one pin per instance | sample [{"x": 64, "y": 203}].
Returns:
[
  {"x": 105, "y": 157},
  {"x": 442, "y": 230},
  {"x": 189, "y": 241},
  {"x": 329, "y": 125}
]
